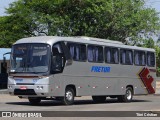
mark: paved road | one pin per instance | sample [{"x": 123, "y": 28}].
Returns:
[{"x": 140, "y": 103}]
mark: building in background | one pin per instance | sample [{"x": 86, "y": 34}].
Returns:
[{"x": 4, "y": 66}]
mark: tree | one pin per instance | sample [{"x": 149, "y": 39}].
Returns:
[
  {"x": 151, "y": 44},
  {"x": 8, "y": 31},
  {"x": 111, "y": 19},
  {"x": 157, "y": 48}
]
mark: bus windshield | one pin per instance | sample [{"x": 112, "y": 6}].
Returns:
[{"x": 30, "y": 58}]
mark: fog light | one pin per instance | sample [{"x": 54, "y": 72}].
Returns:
[
  {"x": 41, "y": 87},
  {"x": 9, "y": 87}
]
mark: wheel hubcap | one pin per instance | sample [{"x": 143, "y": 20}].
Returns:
[
  {"x": 129, "y": 95},
  {"x": 69, "y": 96}
]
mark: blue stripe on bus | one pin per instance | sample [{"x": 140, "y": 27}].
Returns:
[{"x": 100, "y": 69}]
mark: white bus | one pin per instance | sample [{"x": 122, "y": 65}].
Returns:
[{"x": 61, "y": 68}]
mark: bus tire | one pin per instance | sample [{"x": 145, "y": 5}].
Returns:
[
  {"x": 34, "y": 101},
  {"x": 127, "y": 97},
  {"x": 68, "y": 98},
  {"x": 99, "y": 99}
]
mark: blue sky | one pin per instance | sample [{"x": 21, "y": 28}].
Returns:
[
  {"x": 153, "y": 4},
  {"x": 149, "y": 3},
  {"x": 3, "y": 5}
]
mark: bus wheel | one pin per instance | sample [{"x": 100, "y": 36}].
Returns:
[
  {"x": 127, "y": 97},
  {"x": 99, "y": 99},
  {"x": 34, "y": 101},
  {"x": 68, "y": 98}
]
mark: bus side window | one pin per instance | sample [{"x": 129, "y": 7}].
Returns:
[
  {"x": 77, "y": 51},
  {"x": 111, "y": 55},
  {"x": 71, "y": 49},
  {"x": 108, "y": 55},
  {"x": 139, "y": 58},
  {"x": 59, "y": 48},
  {"x": 150, "y": 59},
  {"x": 83, "y": 55},
  {"x": 90, "y": 53},
  {"x": 99, "y": 54},
  {"x": 95, "y": 53},
  {"x": 126, "y": 57}
]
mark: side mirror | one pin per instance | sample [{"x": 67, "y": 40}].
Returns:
[
  {"x": 4, "y": 58},
  {"x": 6, "y": 70},
  {"x": 6, "y": 53}
]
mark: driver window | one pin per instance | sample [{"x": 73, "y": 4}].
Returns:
[
  {"x": 57, "y": 58},
  {"x": 57, "y": 49}
]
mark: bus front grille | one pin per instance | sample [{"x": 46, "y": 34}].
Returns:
[
  {"x": 24, "y": 92},
  {"x": 24, "y": 83}
]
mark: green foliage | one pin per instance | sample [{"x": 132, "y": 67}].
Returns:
[
  {"x": 151, "y": 44},
  {"x": 9, "y": 32},
  {"x": 157, "y": 48},
  {"x": 148, "y": 43},
  {"x": 110, "y": 19}
]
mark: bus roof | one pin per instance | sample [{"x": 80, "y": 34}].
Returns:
[{"x": 79, "y": 39}]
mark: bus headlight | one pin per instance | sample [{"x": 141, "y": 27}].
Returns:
[
  {"x": 9, "y": 87},
  {"x": 37, "y": 87}
]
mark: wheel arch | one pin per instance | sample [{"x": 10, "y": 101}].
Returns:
[
  {"x": 73, "y": 87},
  {"x": 131, "y": 86}
]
